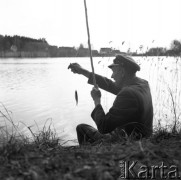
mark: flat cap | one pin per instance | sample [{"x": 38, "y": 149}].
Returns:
[{"x": 125, "y": 60}]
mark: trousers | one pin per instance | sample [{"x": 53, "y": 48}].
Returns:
[{"x": 88, "y": 134}]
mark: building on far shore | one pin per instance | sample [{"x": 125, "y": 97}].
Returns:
[
  {"x": 115, "y": 52},
  {"x": 84, "y": 52},
  {"x": 66, "y": 52},
  {"x": 109, "y": 52},
  {"x": 105, "y": 51}
]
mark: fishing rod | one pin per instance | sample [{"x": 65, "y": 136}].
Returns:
[{"x": 90, "y": 51}]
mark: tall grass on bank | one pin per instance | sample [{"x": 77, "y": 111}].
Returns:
[
  {"x": 13, "y": 140},
  {"x": 175, "y": 111},
  {"x": 8, "y": 129},
  {"x": 164, "y": 77},
  {"x": 45, "y": 138}
]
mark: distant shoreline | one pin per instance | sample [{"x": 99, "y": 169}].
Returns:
[
  {"x": 23, "y": 54},
  {"x": 25, "y": 47},
  {"x": 19, "y": 55},
  {"x": 42, "y": 54}
]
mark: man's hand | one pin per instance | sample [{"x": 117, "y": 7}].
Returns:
[
  {"x": 96, "y": 95},
  {"x": 77, "y": 69}
]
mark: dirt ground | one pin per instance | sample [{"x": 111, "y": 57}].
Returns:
[{"x": 146, "y": 159}]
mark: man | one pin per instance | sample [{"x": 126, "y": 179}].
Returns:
[{"x": 132, "y": 110}]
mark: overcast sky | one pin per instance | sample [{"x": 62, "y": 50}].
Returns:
[{"x": 62, "y": 22}]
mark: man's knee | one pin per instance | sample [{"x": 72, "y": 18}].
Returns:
[{"x": 80, "y": 127}]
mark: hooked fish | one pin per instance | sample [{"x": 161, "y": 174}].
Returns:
[{"x": 76, "y": 97}]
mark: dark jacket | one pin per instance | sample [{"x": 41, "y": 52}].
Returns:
[{"x": 132, "y": 109}]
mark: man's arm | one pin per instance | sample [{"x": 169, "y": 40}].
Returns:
[
  {"x": 124, "y": 111},
  {"x": 104, "y": 83}
]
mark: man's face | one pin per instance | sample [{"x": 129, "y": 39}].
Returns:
[{"x": 118, "y": 74}]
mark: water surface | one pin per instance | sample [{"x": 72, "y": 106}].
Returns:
[{"x": 41, "y": 90}]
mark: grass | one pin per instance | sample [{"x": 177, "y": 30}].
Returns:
[
  {"x": 44, "y": 157},
  {"x": 23, "y": 159}
]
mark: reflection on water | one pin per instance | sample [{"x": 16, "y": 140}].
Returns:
[{"x": 38, "y": 89}]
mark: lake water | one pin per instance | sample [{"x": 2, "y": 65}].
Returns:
[{"x": 42, "y": 90}]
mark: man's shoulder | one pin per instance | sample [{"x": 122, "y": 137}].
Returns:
[
  {"x": 132, "y": 90},
  {"x": 139, "y": 81},
  {"x": 126, "y": 91},
  {"x": 137, "y": 85},
  {"x": 134, "y": 87}
]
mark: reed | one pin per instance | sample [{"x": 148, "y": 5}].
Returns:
[
  {"x": 13, "y": 141},
  {"x": 164, "y": 76}
]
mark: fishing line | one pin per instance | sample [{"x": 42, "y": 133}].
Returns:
[{"x": 76, "y": 92}]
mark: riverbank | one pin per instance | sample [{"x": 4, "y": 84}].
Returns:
[
  {"x": 45, "y": 158},
  {"x": 23, "y": 54},
  {"x": 47, "y": 54}
]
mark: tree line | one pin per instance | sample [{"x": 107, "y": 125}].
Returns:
[
  {"x": 20, "y": 43},
  {"x": 25, "y": 44},
  {"x": 174, "y": 50}
]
